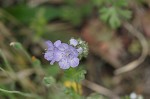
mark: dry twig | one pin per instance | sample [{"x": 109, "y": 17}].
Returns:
[
  {"x": 134, "y": 64},
  {"x": 99, "y": 89}
]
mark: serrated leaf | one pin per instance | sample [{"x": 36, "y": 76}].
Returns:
[
  {"x": 111, "y": 16},
  {"x": 114, "y": 15},
  {"x": 114, "y": 21},
  {"x": 104, "y": 16},
  {"x": 74, "y": 75}
]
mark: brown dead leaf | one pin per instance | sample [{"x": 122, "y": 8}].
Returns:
[{"x": 103, "y": 41}]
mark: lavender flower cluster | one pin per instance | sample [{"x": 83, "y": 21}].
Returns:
[{"x": 65, "y": 54}]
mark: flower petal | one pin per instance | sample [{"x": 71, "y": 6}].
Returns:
[
  {"x": 48, "y": 55},
  {"x": 64, "y": 64},
  {"x": 52, "y": 62},
  {"x": 74, "y": 62},
  {"x": 49, "y": 45},
  {"x": 57, "y": 43},
  {"x": 73, "y": 51},
  {"x": 58, "y": 55},
  {"x": 73, "y": 42},
  {"x": 63, "y": 46},
  {"x": 80, "y": 50}
]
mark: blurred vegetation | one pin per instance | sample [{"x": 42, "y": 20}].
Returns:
[{"x": 26, "y": 24}]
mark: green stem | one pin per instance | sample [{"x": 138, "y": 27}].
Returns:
[
  {"x": 18, "y": 92},
  {"x": 6, "y": 62},
  {"x": 4, "y": 71}
]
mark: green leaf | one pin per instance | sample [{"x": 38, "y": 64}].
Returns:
[
  {"x": 114, "y": 14},
  {"x": 49, "y": 81},
  {"x": 22, "y": 12},
  {"x": 75, "y": 75},
  {"x": 114, "y": 21},
  {"x": 104, "y": 16},
  {"x": 52, "y": 70},
  {"x": 111, "y": 16},
  {"x": 26, "y": 14},
  {"x": 72, "y": 94}
]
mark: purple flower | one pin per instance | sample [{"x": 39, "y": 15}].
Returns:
[
  {"x": 57, "y": 43},
  {"x": 49, "y": 53},
  {"x": 80, "y": 50},
  {"x": 66, "y": 55},
  {"x": 73, "y": 42}
]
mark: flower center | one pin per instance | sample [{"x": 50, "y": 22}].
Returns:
[{"x": 67, "y": 53}]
